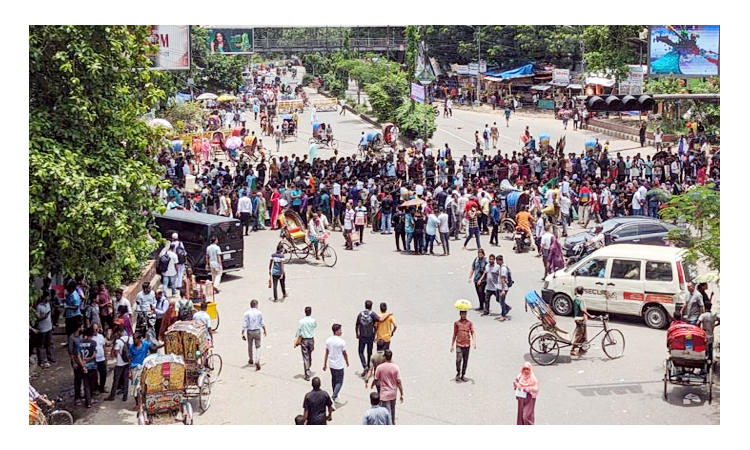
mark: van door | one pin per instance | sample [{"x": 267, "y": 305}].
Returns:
[
  {"x": 661, "y": 284},
  {"x": 591, "y": 276},
  {"x": 625, "y": 287},
  {"x": 231, "y": 244}
]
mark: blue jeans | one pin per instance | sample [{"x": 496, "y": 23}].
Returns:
[
  {"x": 337, "y": 380},
  {"x": 430, "y": 242},
  {"x": 409, "y": 237},
  {"x": 504, "y": 308},
  {"x": 473, "y": 231},
  {"x": 166, "y": 280},
  {"x": 653, "y": 211},
  {"x": 386, "y": 227}
]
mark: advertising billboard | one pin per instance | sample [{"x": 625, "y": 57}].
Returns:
[
  {"x": 174, "y": 47},
  {"x": 417, "y": 92},
  {"x": 684, "y": 50},
  {"x": 230, "y": 40}
]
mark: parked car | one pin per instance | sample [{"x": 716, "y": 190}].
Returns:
[
  {"x": 646, "y": 281},
  {"x": 624, "y": 230}
]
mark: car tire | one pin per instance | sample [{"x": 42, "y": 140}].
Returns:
[
  {"x": 656, "y": 317},
  {"x": 562, "y": 305}
]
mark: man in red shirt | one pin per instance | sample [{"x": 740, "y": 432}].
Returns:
[
  {"x": 463, "y": 336},
  {"x": 584, "y": 202},
  {"x": 388, "y": 377}
]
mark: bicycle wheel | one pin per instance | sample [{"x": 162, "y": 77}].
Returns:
[
  {"x": 204, "y": 393},
  {"x": 303, "y": 252},
  {"x": 287, "y": 251},
  {"x": 329, "y": 256},
  {"x": 613, "y": 343},
  {"x": 535, "y": 331},
  {"x": 544, "y": 349},
  {"x": 334, "y": 144},
  {"x": 60, "y": 417},
  {"x": 215, "y": 365},
  {"x": 215, "y": 322}
]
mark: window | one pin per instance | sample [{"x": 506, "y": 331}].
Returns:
[
  {"x": 626, "y": 269},
  {"x": 650, "y": 228},
  {"x": 628, "y": 230},
  {"x": 593, "y": 268},
  {"x": 658, "y": 271}
]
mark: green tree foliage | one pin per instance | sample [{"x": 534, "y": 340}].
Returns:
[
  {"x": 416, "y": 120},
  {"x": 186, "y": 114},
  {"x": 699, "y": 207},
  {"x": 708, "y": 113},
  {"x": 91, "y": 160},
  {"x": 387, "y": 95},
  {"x": 608, "y": 50}
]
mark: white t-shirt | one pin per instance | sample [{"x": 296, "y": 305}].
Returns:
[
  {"x": 119, "y": 344},
  {"x": 172, "y": 267},
  {"x": 636, "y": 202},
  {"x": 100, "y": 341},
  {"x": 245, "y": 205},
  {"x": 336, "y": 348},
  {"x": 504, "y": 275},
  {"x": 443, "y": 219},
  {"x": 546, "y": 240},
  {"x": 336, "y": 189},
  {"x": 124, "y": 302},
  {"x": 213, "y": 251}
]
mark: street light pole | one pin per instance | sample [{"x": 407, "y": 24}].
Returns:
[{"x": 479, "y": 61}]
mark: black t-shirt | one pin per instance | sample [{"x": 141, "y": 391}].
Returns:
[{"x": 315, "y": 403}]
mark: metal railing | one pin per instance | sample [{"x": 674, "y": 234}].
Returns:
[{"x": 330, "y": 43}]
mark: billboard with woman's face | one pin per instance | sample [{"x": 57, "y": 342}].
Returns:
[
  {"x": 684, "y": 50},
  {"x": 230, "y": 40}
]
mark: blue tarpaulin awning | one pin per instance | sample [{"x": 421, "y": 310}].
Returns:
[{"x": 523, "y": 71}]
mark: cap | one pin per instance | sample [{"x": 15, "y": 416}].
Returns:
[{"x": 175, "y": 236}]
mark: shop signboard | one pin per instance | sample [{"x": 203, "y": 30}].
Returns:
[{"x": 174, "y": 47}]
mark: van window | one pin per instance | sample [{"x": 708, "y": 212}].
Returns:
[
  {"x": 690, "y": 270},
  {"x": 593, "y": 268},
  {"x": 626, "y": 269},
  {"x": 228, "y": 232},
  {"x": 658, "y": 271}
]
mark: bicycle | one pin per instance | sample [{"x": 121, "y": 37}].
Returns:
[
  {"x": 545, "y": 348},
  {"x": 55, "y": 414}
]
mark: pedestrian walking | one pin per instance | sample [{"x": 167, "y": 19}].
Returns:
[
  {"x": 245, "y": 208},
  {"x": 277, "y": 271},
  {"x": 476, "y": 276},
  {"x": 179, "y": 250},
  {"x": 252, "y": 324},
  {"x": 388, "y": 378},
  {"x": 494, "y": 133},
  {"x": 444, "y": 229},
  {"x": 335, "y": 359},
  {"x": 377, "y": 414},
  {"x": 86, "y": 357},
  {"x": 365, "y": 330},
  {"x": 463, "y": 337},
  {"x": 491, "y": 280},
  {"x": 473, "y": 216},
  {"x": 527, "y": 388},
  {"x": 213, "y": 262},
  {"x": 486, "y": 137},
  {"x": 642, "y": 133},
  {"x": 277, "y": 138},
  {"x": 385, "y": 329},
  {"x": 315, "y": 404},
  {"x": 342, "y": 103},
  {"x": 507, "y": 115},
  {"x": 101, "y": 360},
  {"x": 305, "y": 339},
  {"x": 506, "y": 281}
]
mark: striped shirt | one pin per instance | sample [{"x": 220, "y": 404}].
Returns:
[{"x": 253, "y": 320}]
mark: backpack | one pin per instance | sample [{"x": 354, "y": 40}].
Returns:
[
  {"x": 186, "y": 311},
  {"x": 181, "y": 254},
  {"x": 364, "y": 321},
  {"x": 510, "y": 277},
  {"x": 163, "y": 264},
  {"x": 125, "y": 352},
  {"x": 485, "y": 134}
]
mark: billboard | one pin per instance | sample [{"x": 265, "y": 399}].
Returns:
[
  {"x": 561, "y": 76},
  {"x": 174, "y": 47},
  {"x": 230, "y": 40},
  {"x": 684, "y": 50},
  {"x": 417, "y": 92}
]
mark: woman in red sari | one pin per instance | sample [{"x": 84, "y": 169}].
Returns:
[
  {"x": 527, "y": 389},
  {"x": 275, "y": 209}
]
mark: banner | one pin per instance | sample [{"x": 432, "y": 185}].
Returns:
[
  {"x": 174, "y": 47},
  {"x": 561, "y": 76},
  {"x": 230, "y": 40},
  {"x": 423, "y": 71},
  {"x": 462, "y": 69},
  {"x": 684, "y": 50},
  {"x": 417, "y": 92}
]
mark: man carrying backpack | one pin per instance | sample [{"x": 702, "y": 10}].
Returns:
[
  {"x": 179, "y": 249},
  {"x": 120, "y": 350},
  {"x": 365, "y": 330},
  {"x": 506, "y": 281}
]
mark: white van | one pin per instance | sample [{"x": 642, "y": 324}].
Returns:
[{"x": 648, "y": 281}]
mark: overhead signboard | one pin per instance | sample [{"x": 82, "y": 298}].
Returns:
[
  {"x": 684, "y": 50},
  {"x": 235, "y": 41},
  {"x": 174, "y": 47},
  {"x": 561, "y": 76}
]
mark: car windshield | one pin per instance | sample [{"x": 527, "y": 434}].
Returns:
[{"x": 608, "y": 225}]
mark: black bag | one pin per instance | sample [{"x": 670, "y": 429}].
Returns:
[
  {"x": 510, "y": 277},
  {"x": 185, "y": 312},
  {"x": 163, "y": 264},
  {"x": 125, "y": 352},
  {"x": 181, "y": 254},
  {"x": 365, "y": 322}
]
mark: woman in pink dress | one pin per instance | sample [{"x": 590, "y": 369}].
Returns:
[
  {"x": 206, "y": 149},
  {"x": 275, "y": 196},
  {"x": 527, "y": 388}
]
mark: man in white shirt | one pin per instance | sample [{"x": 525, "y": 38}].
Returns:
[
  {"x": 170, "y": 275},
  {"x": 335, "y": 358},
  {"x": 252, "y": 323},
  {"x": 245, "y": 208},
  {"x": 444, "y": 229},
  {"x": 213, "y": 262},
  {"x": 635, "y": 204},
  {"x": 145, "y": 300},
  {"x": 565, "y": 212},
  {"x": 546, "y": 242},
  {"x": 538, "y": 232}
]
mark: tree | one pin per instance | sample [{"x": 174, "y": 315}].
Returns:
[
  {"x": 607, "y": 48},
  {"x": 91, "y": 158},
  {"x": 185, "y": 114},
  {"x": 699, "y": 207}
]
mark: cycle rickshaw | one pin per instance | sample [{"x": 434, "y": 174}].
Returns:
[
  {"x": 320, "y": 137},
  {"x": 296, "y": 242},
  {"x": 288, "y": 126},
  {"x": 163, "y": 393},
  {"x": 188, "y": 339},
  {"x": 515, "y": 201},
  {"x": 688, "y": 364},
  {"x": 546, "y": 339},
  {"x": 388, "y": 135}
]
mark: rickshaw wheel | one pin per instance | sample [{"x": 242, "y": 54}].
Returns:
[
  {"x": 535, "y": 330},
  {"x": 303, "y": 252},
  {"x": 204, "y": 393},
  {"x": 666, "y": 377},
  {"x": 613, "y": 343},
  {"x": 508, "y": 226},
  {"x": 329, "y": 256},
  {"x": 187, "y": 414},
  {"x": 215, "y": 322},
  {"x": 288, "y": 251},
  {"x": 544, "y": 349},
  {"x": 215, "y": 365}
]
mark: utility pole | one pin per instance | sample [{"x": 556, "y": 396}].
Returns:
[{"x": 479, "y": 61}]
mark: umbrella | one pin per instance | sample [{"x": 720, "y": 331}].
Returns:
[
  {"x": 708, "y": 277},
  {"x": 463, "y": 304},
  {"x": 226, "y": 98},
  {"x": 207, "y": 96},
  {"x": 160, "y": 123},
  {"x": 233, "y": 143},
  {"x": 412, "y": 202}
]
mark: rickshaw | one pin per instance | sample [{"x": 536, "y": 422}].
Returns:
[
  {"x": 188, "y": 339},
  {"x": 546, "y": 339},
  {"x": 388, "y": 135},
  {"x": 205, "y": 293},
  {"x": 688, "y": 364},
  {"x": 288, "y": 126},
  {"x": 163, "y": 391},
  {"x": 320, "y": 137},
  {"x": 296, "y": 242},
  {"x": 515, "y": 201}
]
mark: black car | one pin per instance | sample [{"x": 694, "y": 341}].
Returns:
[{"x": 624, "y": 230}]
